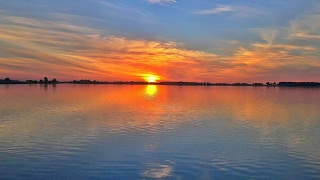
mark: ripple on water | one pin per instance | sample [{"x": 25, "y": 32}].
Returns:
[
  {"x": 157, "y": 171},
  {"x": 209, "y": 136}
]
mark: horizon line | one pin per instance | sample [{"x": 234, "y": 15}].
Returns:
[{"x": 204, "y": 83}]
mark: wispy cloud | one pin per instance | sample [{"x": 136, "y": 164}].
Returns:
[
  {"x": 59, "y": 49},
  {"x": 306, "y": 27},
  {"x": 65, "y": 53},
  {"x": 124, "y": 8},
  {"x": 107, "y": 4},
  {"x": 218, "y": 9},
  {"x": 161, "y": 1},
  {"x": 303, "y": 35},
  {"x": 241, "y": 11}
]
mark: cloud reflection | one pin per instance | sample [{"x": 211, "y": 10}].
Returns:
[{"x": 158, "y": 171}]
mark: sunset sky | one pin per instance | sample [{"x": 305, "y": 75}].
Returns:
[{"x": 170, "y": 40}]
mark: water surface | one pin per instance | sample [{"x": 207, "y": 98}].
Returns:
[{"x": 68, "y": 131}]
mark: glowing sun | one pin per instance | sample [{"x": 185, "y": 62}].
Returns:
[{"x": 150, "y": 78}]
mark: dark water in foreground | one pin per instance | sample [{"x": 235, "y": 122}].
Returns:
[{"x": 166, "y": 132}]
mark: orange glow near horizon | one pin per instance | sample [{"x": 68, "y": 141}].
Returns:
[
  {"x": 132, "y": 59},
  {"x": 150, "y": 78}
]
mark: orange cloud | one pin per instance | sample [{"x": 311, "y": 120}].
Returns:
[{"x": 67, "y": 52}]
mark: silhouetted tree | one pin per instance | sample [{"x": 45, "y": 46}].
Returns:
[
  {"x": 45, "y": 80},
  {"x": 257, "y": 84},
  {"x": 54, "y": 80},
  {"x": 7, "y": 79},
  {"x": 31, "y": 81}
]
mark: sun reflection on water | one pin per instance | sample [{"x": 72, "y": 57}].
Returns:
[{"x": 151, "y": 90}]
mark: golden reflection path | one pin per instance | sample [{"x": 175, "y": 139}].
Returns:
[{"x": 151, "y": 90}]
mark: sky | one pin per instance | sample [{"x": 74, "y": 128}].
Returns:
[{"x": 170, "y": 40}]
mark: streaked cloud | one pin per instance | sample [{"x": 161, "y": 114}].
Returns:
[
  {"x": 285, "y": 47},
  {"x": 161, "y": 1},
  {"x": 110, "y": 44},
  {"x": 124, "y": 9},
  {"x": 302, "y": 35},
  {"x": 86, "y": 54},
  {"x": 241, "y": 11},
  {"x": 107, "y": 4},
  {"x": 218, "y": 9},
  {"x": 306, "y": 27}
]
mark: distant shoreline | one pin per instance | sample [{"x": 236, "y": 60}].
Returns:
[{"x": 176, "y": 83}]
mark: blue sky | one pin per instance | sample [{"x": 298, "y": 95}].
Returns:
[{"x": 230, "y": 40}]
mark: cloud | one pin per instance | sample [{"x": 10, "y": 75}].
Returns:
[
  {"x": 240, "y": 11},
  {"x": 285, "y": 47},
  {"x": 306, "y": 27},
  {"x": 58, "y": 47},
  {"x": 161, "y": 1},
  {"x": 73, "y": 52},
  {"x": 106, "y": 4},
  {"x": 32, "y": 48},
  {"x": 267, "y": 34},
  {"x": 303, "y": 35},
  {"x": 218, "y": 9},
  {"x": 125, "y": 10}
]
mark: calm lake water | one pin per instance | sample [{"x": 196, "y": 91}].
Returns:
[{"x": 169, "y": 132}]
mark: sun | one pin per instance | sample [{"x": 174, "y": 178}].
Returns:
[{"x": 150, "y": 78}]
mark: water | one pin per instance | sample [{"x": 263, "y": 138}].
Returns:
[{"x": 158, "y": 132}]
